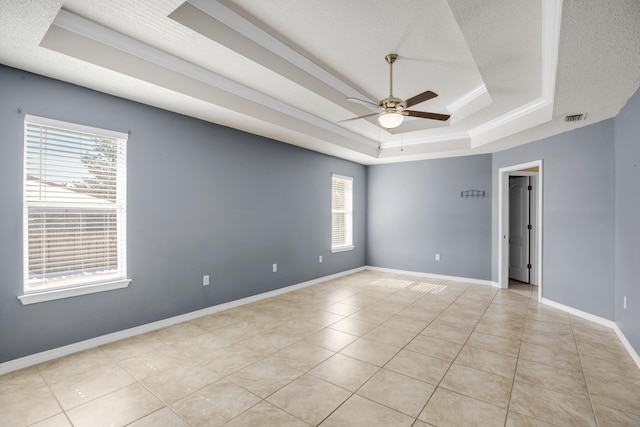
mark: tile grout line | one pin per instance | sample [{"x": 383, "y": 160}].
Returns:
[
  {"x": 515, "y": 371},
  {"x": 557, "y": 367},
  {"x": 354, "y": 393},
  {"x": 308, "y": 370},
  {"x": 302, "y": 335},
  {"x": 141, "y": 384},
  {"x": 63, "y": 411},
  {"x": 584, "y": 377},
  {"x": 461, "y": 347}
]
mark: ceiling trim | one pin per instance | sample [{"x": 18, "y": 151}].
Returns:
[
  {"x": 466, "y": 99},
  {"x": 520, "y": 112},
  {"x": 451, "y": 136},
  {"x": 241, "y": 25},
  {"x": 221, "y": 13},
  {"x": 506, "y": 124},
  {"x": 550, "y": 43},
  {"x": 94, "y": 31},
  {"x": 532, "y": 113},
  {"x": 236, "y": 22},
  {"x": 539, "y": 61},
  {"x": 551, "y": 24}
]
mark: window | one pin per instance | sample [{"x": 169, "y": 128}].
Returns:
[
  {"x": 74, "y": 210},
  {"x": 341, "y": 213}
]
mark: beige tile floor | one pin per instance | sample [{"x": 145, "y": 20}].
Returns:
[
  {"x": 522, "y": 288},
  {"x": 369, "y": 349}
]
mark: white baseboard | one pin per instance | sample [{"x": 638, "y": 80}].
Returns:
[
  {"x": 599, "y": 320},
  {"x": 34, "y": 359},
  {"x": 435, "y": 276},
  {"x": 579, "y": 313},
  {"x": 583, "y": 314},
  {"x": 632, "y": 352}
]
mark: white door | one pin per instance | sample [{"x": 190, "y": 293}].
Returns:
[{"x": 519, "y": 228}]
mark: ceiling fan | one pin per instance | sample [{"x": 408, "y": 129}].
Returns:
[{"x": 393, "y": 110}]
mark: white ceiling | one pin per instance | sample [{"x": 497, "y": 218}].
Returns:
[{"x": 507, "y": 71}]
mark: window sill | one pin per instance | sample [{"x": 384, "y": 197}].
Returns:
[
  {"x": 54, "y": 294},
  {"x": 342, "y": 249}
]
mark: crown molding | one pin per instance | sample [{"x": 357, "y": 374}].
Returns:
[
  {"x": 76, "y": 24},
  {"x": 530, "y": 114}
]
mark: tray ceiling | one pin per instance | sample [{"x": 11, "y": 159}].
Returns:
[{"x": 282, "y": 68}]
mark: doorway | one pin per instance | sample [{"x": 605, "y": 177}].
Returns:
[{"x": 520, "y": 227}]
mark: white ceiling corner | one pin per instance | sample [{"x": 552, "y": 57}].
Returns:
[{"x": 283, "y": 68}]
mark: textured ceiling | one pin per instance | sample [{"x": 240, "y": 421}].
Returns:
[{"x": 507, "y": 71}]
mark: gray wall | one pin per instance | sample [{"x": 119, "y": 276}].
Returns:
[
  {"x": 202, "y": 199},
  {"x": 415, "y": 211},
  {"x": 627, "y": 235},
  {"x": 578, "y": 215},
  {"x": 205, "y": 199}
]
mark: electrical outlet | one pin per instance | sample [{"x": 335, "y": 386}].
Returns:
[
  {"x": 205, "y": 280},
  {"x": 437, "y": 257},
  {"x": 275, "y": 268},
  {"x": 320, "y": 259},
  {"x": 624, "y": 302}
]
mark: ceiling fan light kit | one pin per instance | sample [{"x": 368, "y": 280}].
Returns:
[
  {"x": 390, "y": 120},
  {"x": 392, "y": 109}
]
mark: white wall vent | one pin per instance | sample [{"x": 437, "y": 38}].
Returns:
[{"x": 575, "y": 117}]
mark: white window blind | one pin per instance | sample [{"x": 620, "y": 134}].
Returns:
[
  {"x": 74, "y": 205},
  {"x": 341, "y": 213}
]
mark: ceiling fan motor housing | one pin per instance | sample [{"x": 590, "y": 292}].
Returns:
[{"x": 391, "y": 104}]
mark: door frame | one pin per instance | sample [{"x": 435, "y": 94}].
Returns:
[{"x": 503, "y": 221}]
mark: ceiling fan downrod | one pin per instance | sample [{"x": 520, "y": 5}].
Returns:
[{"x": 391, "y": 58}]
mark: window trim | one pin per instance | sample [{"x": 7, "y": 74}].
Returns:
[
  {"x": 32, "y": 296},
  {"x": 342, "y": 248},
  {"x": 60, "y": 293},
  {"x": 349, "y": 245}
]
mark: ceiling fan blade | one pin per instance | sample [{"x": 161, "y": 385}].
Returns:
[
  {"x": 363, "y": 102},
  {"x": 359, "y": 117},
  {"x": 424, "y": 96},
  {"x": 425, "y": 115}
]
